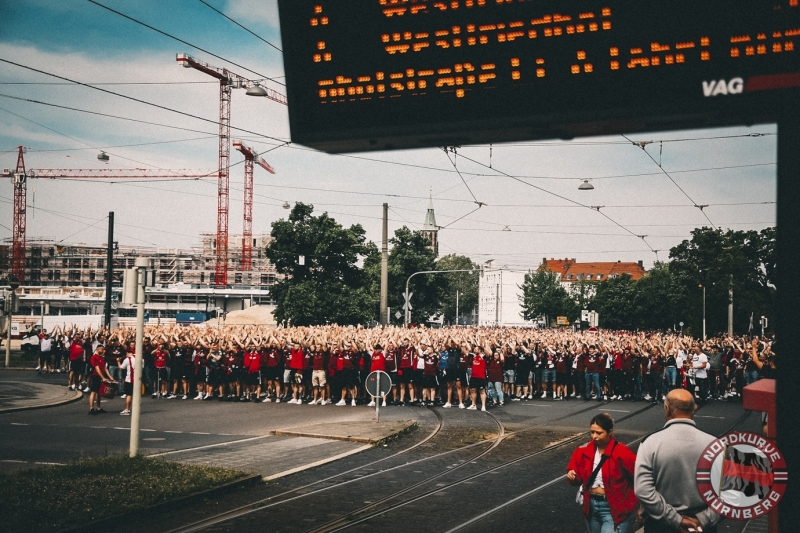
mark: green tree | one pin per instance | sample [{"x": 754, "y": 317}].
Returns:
[
  {"x": 721, "y": 260},
  {"x": 658, "y": 302},
  {"x": 613, "y": 301},
  {"x": 327, "y": 286},
  {"x": 543, "y": 296},
  {"x": 466, "y": 283},
  {"x": 409, "y": 253}
]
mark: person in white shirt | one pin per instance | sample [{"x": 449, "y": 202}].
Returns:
[
  {"x": 700, "y": 365},
  {"x": 128, "y": 366}
]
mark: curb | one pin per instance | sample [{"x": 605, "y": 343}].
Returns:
[
  {"x": 107, "y": 524},
  {"x": 78, "y": 396},
  {"x": 361, "y": 440}
]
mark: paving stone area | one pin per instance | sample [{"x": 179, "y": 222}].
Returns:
[{"x": 271, "y": 456}]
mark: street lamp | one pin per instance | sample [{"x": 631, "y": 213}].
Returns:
[{"x": 704, "y": 310}]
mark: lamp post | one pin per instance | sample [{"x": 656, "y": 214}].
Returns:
[
  {"x": 407, "y": 306},
  {"x": 704, "y": 310}
]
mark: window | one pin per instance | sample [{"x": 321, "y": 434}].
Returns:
[
  {"x": 599, "y": 276},
  {"x": 588, "y": 276},
  {"x": 101, "y": 263},
  {"x": 569, "y": 276},
  {"x": 74, "y": 275}
]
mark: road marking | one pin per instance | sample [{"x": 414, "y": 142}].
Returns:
[
  {"x": 98, "y": 427},
  {"x": 706, "y": 416},
  {"x": 147, "y": 430},
  {"x": 155, "y": 438},
  {"x": 11, "y": 461},
  {"x": 173, "y": 431},
  {"x": 43, "y": 463},
  {"x": 19, "y": 424},
  {"x": 209, "y": 446},
  {"x": 122, "y": 428},
  {"x": 613, "y": 410},
  {"x": 320, "y": 462},
  {"x": 198, "y": 433}
]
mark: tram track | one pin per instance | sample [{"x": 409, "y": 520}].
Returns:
[
  {"x": 553, "y": 481},
  {"x": 369, "y": 511}
]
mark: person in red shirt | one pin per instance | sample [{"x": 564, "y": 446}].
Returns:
[
  {"x": 345, "y": 367},
  {"x": 405, "y": 373},
  {"x": 296, "y": 364},
  {"x": 477, "y": 381},
  {"x": 430, "y": 363},
  {"x": 319, "y": 365},
  {"x": 161, "y": 358},
  {"x": 99, "y": 374},
  {"x": 76, "y": 363},
  {"x": 495, "y": 377},
  {"x": 608, "y": 500},
  {"x": 390, "y": 361},
  {"x": 274, "y": 374},
  {"x": 251, "y": 361},
  {"x": 377, "y": 363}
]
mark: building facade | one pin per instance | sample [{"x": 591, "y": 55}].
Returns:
[{"x": 499, "y": 295}]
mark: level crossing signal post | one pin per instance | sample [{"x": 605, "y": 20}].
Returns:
[{"x": 378, "y": 385}]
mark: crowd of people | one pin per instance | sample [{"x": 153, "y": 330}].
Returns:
[{"x": 465, "y": 367}]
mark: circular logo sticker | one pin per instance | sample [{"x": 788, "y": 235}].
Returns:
[{"x": 741, "y": 475}]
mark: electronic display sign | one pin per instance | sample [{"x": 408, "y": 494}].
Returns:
[{"x": 386, "y": 74}]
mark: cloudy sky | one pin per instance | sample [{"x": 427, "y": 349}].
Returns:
[{"x": 731, "y": 170}]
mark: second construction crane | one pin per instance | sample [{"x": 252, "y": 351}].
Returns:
[{"x": 227, "y": 82}]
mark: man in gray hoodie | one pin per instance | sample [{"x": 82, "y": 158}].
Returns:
[{"x": 666, "y": 468}]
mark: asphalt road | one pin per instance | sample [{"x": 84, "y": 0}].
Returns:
[{"x": 460, "y": 488}]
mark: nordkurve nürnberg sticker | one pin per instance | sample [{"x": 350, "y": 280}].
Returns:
[{"x": 741, "y": 475}]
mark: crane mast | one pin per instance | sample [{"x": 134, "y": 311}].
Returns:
[
  {"x": 250, "y": 157},
  {"x": 227, "y": 81}
]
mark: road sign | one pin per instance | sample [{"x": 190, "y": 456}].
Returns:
[
  {"x": 398, "y": 74},
  {"x": 407, "y": 304},
  {"x": 378, "y": 383},
  {"x": 397, "y": 315}
]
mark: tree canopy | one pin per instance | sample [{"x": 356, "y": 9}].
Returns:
[{"x": 327, "y": 285}]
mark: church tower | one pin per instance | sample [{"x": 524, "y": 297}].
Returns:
[{"x": 431, "y": 230}]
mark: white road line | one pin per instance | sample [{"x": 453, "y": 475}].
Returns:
[
  {"x": 125, "y": 429},
  {"x": 173, "y": 431},
  {"x": 11, "y": 461},
  {"x": 209, "y": 446},
  {"x": 198, "y": 433},
  {"x": 155, "y": 438},
  {"x": 613, "y": 410},
  {"x": 43, "y": 463},
  {"x": 147, "y": 430},
  {"x": 19, "y": 424},
  {"x": 706, "y": 416}
]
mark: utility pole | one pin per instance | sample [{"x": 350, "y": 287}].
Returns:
[
  {"x": 385, "y": 268},
  {"x": 109, "y": 269},
  {"x": 456, "y": 307},
  {"x": 136, "y": 407}
]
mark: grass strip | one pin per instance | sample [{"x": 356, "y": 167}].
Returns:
[{"x": 52, "y": 498}]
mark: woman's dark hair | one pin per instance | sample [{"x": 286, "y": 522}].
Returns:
[{"x": 603, "y": 420}]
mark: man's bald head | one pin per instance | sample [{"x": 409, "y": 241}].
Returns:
[{"x": 679, "y": 403}]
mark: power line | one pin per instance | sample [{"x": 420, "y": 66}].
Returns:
[
  {"x": 695, "y": 204},
  {"x": 187, "y": 43},
  {"x": 209, "y": 136},
  {"x": 600, "y": 143},
  {"x": 245, "y": 29},
  {"x": 158, "y": 106},
  {"x": 596, "y": 208},
  {"x": 107, "y": 83}
]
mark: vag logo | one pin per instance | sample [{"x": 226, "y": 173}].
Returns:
[{"x": 713, "y": 88}]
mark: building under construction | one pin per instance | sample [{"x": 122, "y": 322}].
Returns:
[{"x": 70, "y": 279}]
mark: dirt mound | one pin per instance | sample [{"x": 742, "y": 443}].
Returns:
[{"x": 257, "y": 316}]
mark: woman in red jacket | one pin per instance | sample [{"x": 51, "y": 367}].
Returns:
[{"x": 609, "y": 503}]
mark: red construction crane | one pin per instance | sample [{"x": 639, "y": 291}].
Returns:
[
  {"x": 227, "y": 81},
  {"x": 21, "y": 177},
  {"x": 250, "y": 157}
]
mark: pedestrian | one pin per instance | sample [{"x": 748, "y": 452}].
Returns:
[
  {"x": 99, "y": 375},
  {"x": 477, "y": 381},
  {"x": 129, "y": 367},
  {"x": 603, "y": 468},
  {"x": 666, "y": 467}
]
